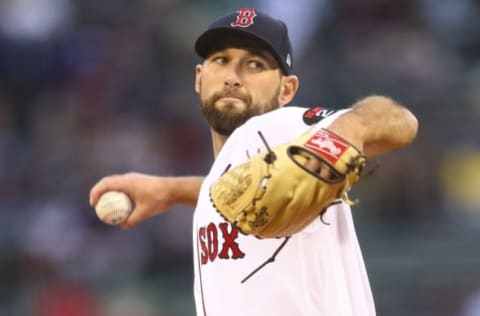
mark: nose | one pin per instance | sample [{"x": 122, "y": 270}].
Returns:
[{"x": 232, "y": 79}]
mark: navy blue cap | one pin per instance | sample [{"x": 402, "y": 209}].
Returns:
[{"x": 268, "y": 31}]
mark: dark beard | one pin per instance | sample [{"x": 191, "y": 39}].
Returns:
[{"x": 225, "y": 122}]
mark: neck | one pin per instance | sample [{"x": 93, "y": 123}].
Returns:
[{"x": 217, "y": 141}]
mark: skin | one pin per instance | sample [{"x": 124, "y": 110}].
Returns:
[
  {"x": 153, "y": 195},
  {"x": 235, "y": 83},
  {"x": 240, "y": 83}
]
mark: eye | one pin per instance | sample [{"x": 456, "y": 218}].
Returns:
[
  {"x": 256, "y": 64},
  {"x": 220, "y": 60}
]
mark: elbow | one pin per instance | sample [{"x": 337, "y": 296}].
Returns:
[
  {"x": 404, "y": 122},
  {"x": 410, "y": 127},
  {"x": 400, "y": 134}
]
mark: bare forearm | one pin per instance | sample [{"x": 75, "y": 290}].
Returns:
[
  {"x": 152, "y": 195},
  {"x": 186, "y": 189},
  {"x": 377, "y": 124}
]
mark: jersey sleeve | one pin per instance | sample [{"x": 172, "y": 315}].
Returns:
[
  {"x": 289, "y": 122},
  {"x": 276, "y": 127}
]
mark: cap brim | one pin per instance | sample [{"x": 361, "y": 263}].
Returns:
[{"x": 209, "y": 40}]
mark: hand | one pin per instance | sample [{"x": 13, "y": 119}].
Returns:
[
  {"x": 319, "y": 168},
  {"x": 151, "y": 195},
  {"x": 376, "y": 125}
]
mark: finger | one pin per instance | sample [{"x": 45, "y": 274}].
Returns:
[
  {"x": 96, "y": 191},
  {"x": 103, "y": 185},
  {"x": 137, "y": 216},
  {"x": 319, "y": 168},
  {"x": 313, "y": 165}
]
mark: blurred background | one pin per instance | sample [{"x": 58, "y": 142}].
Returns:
[{"x": 91, "y": 88}]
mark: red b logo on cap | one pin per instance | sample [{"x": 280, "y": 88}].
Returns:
[{"x": 244, "y": 18}]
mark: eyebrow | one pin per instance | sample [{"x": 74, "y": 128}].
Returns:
[
  {"x": 253, "y": 50},
  {"x": 264, "y": 54}
]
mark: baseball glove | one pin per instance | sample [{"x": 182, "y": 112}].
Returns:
[{"x": 275, "y": 193}]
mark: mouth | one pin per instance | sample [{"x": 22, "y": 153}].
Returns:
[
  {"x": 229, "y": 99},
  {"x": 230, "y": 96}
]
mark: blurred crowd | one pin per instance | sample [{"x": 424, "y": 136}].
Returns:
[{"x": 92, "y": 88}]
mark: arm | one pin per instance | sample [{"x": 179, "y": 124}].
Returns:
[
  {"x": 376, "y": 125},
  {"x": 152, "y": 195},
  {"x": 290, "y": 199}
]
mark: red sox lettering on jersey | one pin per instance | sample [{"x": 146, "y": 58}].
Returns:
[
  {"x": 213, "y": 246},
  {"x": 244, "y": 18},
  {"x": 305, "y": 278}
]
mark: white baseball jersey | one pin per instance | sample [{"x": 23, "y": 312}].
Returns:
[{"x": 318, "y": 272}]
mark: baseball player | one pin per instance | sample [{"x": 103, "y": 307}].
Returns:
[{"x": 242, "y": 265}]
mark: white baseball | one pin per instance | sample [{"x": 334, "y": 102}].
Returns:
[{"x": 114, "y": 207}]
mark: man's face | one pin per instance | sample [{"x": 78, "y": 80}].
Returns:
[{"x": 235, "y": 84}]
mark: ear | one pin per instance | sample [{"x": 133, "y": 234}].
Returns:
[
  {"x": 198, "y": 72},
  {"x": 288, "y": 89}
]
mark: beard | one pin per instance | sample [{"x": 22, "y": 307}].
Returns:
[{"x": 225, "y": 120}]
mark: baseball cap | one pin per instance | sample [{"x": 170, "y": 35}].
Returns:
[{"x": 269, "y": 32}]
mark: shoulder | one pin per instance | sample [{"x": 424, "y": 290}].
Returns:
[
  {"x": 277, "y": 127},
  {"x": 282, "y": 125},
  {"x": 294, "y": 116}
]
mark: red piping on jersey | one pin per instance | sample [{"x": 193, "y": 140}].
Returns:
[{"x": 200, "y": 278}]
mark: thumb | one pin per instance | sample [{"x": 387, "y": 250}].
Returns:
[{"x": 138, "y": 215}]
